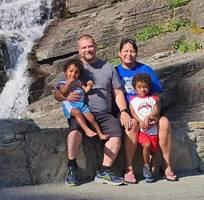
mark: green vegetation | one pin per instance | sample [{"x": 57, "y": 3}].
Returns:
[
  {"x": 184, "y": 46},
  {"x": 175, "y": 24},
  {"x": 153, "y": 30},
  {"x": 114, "y": 61},
  {"x": 177, "y": 3},
  {"x": 149, "y": 32}
]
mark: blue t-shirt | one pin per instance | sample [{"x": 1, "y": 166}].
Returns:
[{"x": 126, "y": 76}]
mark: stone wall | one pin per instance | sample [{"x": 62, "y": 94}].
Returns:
[{"x": 29, "y": 155}]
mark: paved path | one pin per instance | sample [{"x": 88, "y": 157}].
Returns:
[{"x": 187, "y": 188}]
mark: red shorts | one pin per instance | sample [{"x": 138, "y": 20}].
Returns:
[{"x": 145, "y": 138}]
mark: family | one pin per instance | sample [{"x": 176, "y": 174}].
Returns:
[{"x": 87, "y": 90}]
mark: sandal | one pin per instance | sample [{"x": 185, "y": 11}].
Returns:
[
  {"x": 170, "y": 176},
  {"x": 130, "y": 178}
]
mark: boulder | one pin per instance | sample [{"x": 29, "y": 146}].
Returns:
[{"x": 197, "y": 12}]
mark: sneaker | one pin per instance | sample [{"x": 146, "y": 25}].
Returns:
[
  {"x": 147, "y": 173},
  {"x": 71, "y": 178},
  {"x": 108, "y": 177}
]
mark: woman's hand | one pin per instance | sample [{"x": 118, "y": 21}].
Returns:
[{"x": 125, "y": 120}]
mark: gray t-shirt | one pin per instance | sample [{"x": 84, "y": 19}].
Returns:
[{"x": 105, "y": 79}]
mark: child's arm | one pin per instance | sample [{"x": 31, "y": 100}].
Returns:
[
  {"x": 64, "y": 88},
  {"x": 88, "y": 86},
  {"x": 136, "y": 117},
  {"x": 154, "y": 115}
]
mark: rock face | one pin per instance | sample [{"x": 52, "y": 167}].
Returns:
[
  {"x": 3, "y": 64},
  {"x": 197, "y": 10},
  {"x": 112, "y": 20}
]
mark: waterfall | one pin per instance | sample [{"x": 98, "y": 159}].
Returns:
[{"x": 21, "y": 23}]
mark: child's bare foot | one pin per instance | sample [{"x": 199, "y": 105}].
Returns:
[
  {"x": 90, "y": 133},
  {"x": 103, "y": 136}
]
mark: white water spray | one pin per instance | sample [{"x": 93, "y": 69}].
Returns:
[{"x": 23, "y": 20}]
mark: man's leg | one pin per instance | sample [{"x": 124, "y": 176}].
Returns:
[
  {"x": 74, "y": 139},
  {"x": 109, "y": 125},
  {"x": 111, "y": 149},
  {"x": 165, "y": 134},
  {"x": 130, "y": 143}
]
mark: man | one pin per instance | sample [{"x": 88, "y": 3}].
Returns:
[{"x": 106, "y": 84}]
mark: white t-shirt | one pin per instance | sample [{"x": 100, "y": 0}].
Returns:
[{"x": 142, "y": 107}]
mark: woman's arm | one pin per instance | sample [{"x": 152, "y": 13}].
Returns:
[{"x": 125, "y": 118}]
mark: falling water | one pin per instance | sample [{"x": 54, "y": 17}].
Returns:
[{"x": 21, "y": 23}]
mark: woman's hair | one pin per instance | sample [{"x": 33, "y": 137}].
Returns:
[
  {"x": 75, "y": 62},
  {"x": 141, "y": 78},
  {"x": 128, "y": 40}
]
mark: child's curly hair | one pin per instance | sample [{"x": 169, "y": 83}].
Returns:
[
  {"x": 75, "y": 62},
  {"x": 142, "y": 77}
]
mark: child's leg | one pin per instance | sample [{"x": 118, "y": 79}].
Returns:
[
  {"x": 90, "y": 117},
  {"x": 147, "y": 172},
  {"x": 146, "y": 154},
  {"x": 154, "y": 162},
  {"x": 82, "y": 123},
  {"x": 154, "y": 148}
]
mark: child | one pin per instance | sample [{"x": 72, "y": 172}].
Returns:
[
  {"x": 78, "y": 109},
  {"x": 144, "y": 108}
]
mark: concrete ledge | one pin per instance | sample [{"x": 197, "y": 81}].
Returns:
[{"x": 29, "y": 155}]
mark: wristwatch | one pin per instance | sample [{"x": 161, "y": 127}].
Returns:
[{"x": 124, "y": 110}]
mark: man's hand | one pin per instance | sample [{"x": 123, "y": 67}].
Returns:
[{"x": 73, "y": 96}]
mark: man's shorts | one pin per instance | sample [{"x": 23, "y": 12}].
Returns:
[
  {"x": 152, "y": 139},
  {"x": 107, "y": 122}
]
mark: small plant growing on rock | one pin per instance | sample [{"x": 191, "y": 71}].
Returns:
[
  {"x": 178, "y": 3},
  {"x": 154, "y": 30},
  {"x": 175, "y": 24},
  {"x": 184, "y": 46},
  {"x": 149, "y": 32}
]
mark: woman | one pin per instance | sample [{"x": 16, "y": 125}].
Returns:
[{"x": 128, "y": 68}]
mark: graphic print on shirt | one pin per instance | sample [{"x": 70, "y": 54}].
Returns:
[
  {"x": 128, "y": 85},
  {"x": 144, "y": 109}
]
